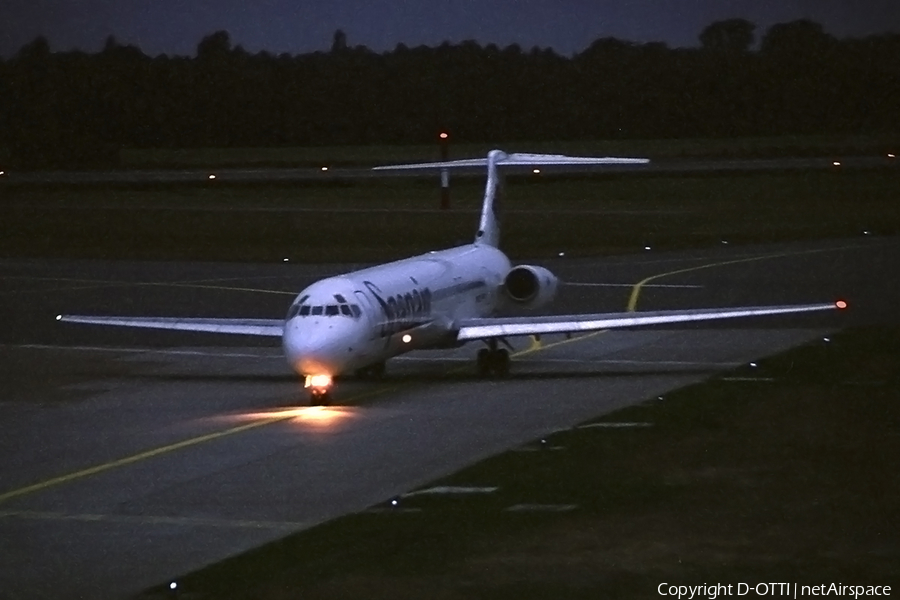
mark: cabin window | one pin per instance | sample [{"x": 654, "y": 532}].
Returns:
[{"x": 317, "y": 310}]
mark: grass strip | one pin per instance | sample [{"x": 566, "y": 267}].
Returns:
[{"x": 369, "y": 221}]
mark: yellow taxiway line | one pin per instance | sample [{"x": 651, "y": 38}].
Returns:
[
  {"x": 636, "y": 290},
  {"x": 48, "y": 483}
]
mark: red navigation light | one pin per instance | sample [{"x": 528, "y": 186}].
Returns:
[
  {"x": 841, "y": 304},
  {"x": 443, "y": 135}
]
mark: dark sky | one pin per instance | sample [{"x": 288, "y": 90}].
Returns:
[{"x": 175, "y": 26}]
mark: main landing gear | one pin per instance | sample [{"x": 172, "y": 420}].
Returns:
[{"x": 493, "y": 361}]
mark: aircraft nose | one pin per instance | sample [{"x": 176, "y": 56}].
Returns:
[{"x": 315, "y": 348}]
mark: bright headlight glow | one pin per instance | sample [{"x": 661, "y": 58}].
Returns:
[
  {"x": 406, "y": 338},
  {"x": 318, "y": 381}
]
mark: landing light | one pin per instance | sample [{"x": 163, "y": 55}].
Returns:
[
  {"x": 2, "y": 172},
  {"x": 646, "y": 247},
  {"x": 890, "y": 155},
  {"x": 836, "y": 163},
  {"x": 212, "y": 176},
  {"x": 406, "y": 338},
  {"x": 285, "y": 260},
  {"x": 562, "y": 253},
  {"x": 317, "y": 381},
  {"x": 173, "y": 586},
  {"x": 324, "y": 168},
  {"x": 536, "y": 171},
  {"x": 841, "y": 304}
]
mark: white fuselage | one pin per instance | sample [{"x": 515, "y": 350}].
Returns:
[{"x": 365, "y": 317}]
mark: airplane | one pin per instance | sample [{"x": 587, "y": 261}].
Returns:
[{"x": 356, "y": 322}]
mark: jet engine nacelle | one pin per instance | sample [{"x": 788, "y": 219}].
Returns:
[{"x": 529, "y": 286}]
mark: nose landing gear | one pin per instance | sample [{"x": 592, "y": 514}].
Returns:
[
  {"x": 319, "y": 387},
  {"x": 319, "y": 397}
]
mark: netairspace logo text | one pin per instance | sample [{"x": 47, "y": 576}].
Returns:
[{"x": 791, "y": 590}]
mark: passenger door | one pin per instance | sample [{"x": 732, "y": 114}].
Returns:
[{"x": 370, "y": 314}]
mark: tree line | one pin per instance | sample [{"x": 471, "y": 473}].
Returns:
[{"x": 77, "y": 108}]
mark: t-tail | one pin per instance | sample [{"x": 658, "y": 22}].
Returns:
[{"x": 491, "y": 207}]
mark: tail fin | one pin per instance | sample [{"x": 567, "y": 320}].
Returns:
[{"x": 489, "y": 226}]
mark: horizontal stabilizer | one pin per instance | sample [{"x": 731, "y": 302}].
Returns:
[{"x": 519, "y": 159}]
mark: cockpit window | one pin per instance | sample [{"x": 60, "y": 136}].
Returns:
[{"x": 329, "y": 310}]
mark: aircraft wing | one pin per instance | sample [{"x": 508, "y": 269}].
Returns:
[
  {"x": 262, "y": 327},
  {"x": 476, "y": 329}
]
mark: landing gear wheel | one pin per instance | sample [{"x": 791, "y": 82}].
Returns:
[
  {"x": 319, "y": 399},
  {"x": 493, "y": 362},
  {"x": 501, "y": 362},
  {"x": 483, "y": 361}
]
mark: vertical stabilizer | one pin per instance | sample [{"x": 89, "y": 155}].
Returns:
[{"x": 489, "y": 226}]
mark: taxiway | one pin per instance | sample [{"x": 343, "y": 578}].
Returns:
[{"x": 131, "y": 457}]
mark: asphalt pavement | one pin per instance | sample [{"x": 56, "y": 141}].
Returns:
[{"x": 131, "y": 457}]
